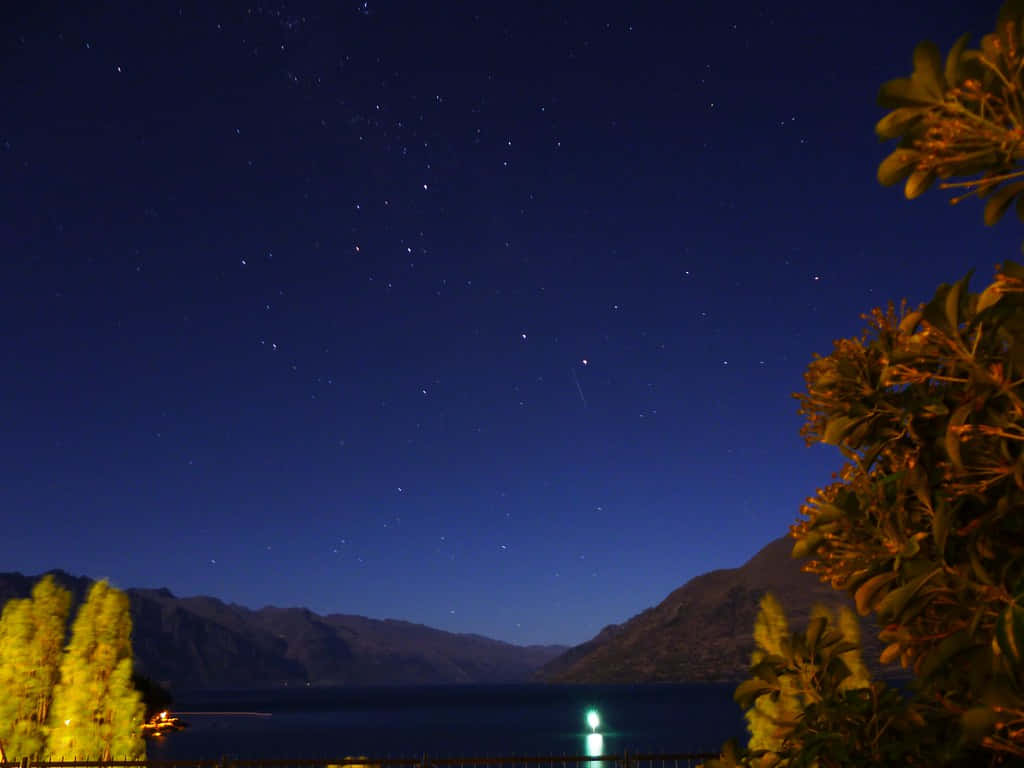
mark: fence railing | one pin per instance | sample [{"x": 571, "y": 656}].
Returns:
[{"x": 624, "y": 760}]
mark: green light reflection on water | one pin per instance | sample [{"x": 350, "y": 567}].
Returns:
[{"x": 595, "y": 748}]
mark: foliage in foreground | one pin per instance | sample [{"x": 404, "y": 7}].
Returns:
[
  {"x": 924, "y": 525},
  {"x": 961, "y": 117},
  {"x": 796, "y": 680},
  {"x": 31, "y": 644},
  {"x": 79, "y": 700},
  {"x": 924, "y": 528},
  {"x": 97, "y": 712},
  {"x": 809, "y": 701}
]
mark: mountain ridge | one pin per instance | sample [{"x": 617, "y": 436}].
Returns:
[
  {"x": 703, "y": 630},
  {"x": 203, "y": 642}
]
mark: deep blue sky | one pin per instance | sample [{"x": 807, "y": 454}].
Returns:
[{"x": 482, "y": 315}]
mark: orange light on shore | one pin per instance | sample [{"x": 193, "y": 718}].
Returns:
[{"x": 161, "y": 723}]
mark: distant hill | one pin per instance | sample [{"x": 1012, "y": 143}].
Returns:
[
  {"x": 703, "y": 631},
  {"x": 201, "y": 642}
]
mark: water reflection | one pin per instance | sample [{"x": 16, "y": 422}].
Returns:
[{"x": 595, "y": 748}]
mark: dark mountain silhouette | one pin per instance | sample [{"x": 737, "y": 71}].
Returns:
[
  {"x": 703, "y": 631},
  {"x": 201, "y": 642}
]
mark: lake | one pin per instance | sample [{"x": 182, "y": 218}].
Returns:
[{"x": 453, "y": 721}]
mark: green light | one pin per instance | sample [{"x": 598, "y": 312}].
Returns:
[{"x": 593, "y": 720}]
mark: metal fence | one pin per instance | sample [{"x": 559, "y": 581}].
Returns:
[{"x": 625, "y": 760}]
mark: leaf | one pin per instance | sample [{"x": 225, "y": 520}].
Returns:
[
  {"x": 934, "y": 312},
  {"x": 953, "y": 434},
  {"x": 827, "y": 513},
  {"x": 865, "y": 594},
  {"x": 890, "y": 653},
  {"x": 892, "y": 605},
  {"x": 898, "y": 122},
  {"x": 977, "y": 568},
  {"x": 939, "y": 656},
  {"x": 840, "y": 646},
  {"x": 749, "y": 691},
  {"x": 952, "y": 71},
  {"x": 1000, "y": 201},
  {"x": 807, "y": 545},
  {"x": 918, "y": 183},
  {"x": 910, "y": 322},
  {"x": 952, "y": 302},
  {"x": 765, "y": 670},
  {"x": 1010, "y": 633},
  {"x": 814, "y": 629},
  {"x": 838, "y": 428},
  {"x": 977, "y": 722},
  {"x": 851, "y": 581},
  {"x": 897, "y": 166},
  {"x": 991, "y": 295},
  {"x": 928, "y": 69},
  {"x": 904, "y": 92},
  {"x": 917, "y": 477},
  {"x": 910, "y": 549},
  {"x": 871, "y": 455}
]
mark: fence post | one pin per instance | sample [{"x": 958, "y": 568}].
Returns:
[{"x": 625, "y": 758}]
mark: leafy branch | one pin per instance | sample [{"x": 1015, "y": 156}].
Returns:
[{"x": 963, "y": 117}]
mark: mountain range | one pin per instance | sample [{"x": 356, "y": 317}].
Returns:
[
  {"x": 202, "y": 642},
  {"x": 702, "y": 631}
]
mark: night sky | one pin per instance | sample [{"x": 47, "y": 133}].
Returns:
[{"x": 481, "y": 315}]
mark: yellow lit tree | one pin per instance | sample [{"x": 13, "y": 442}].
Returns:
[
  {"x": 799, "y": 681},
  {"x": 96, "y": 712},
  {"x": 854, "y": 659},
  {"x": 31, "y": 644},
  {"x": 766, "y": 714}
]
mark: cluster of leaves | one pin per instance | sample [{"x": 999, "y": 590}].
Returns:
[
  {"x": 794, "y": 680},
  {"x": 925, "y": 525},
  {"x": 811, "y": 704},
  {"x": 78, "y": 701},
  {"x": 961, "y": 117}
]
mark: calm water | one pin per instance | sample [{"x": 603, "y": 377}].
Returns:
[{"x": 454, "y": 721}]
